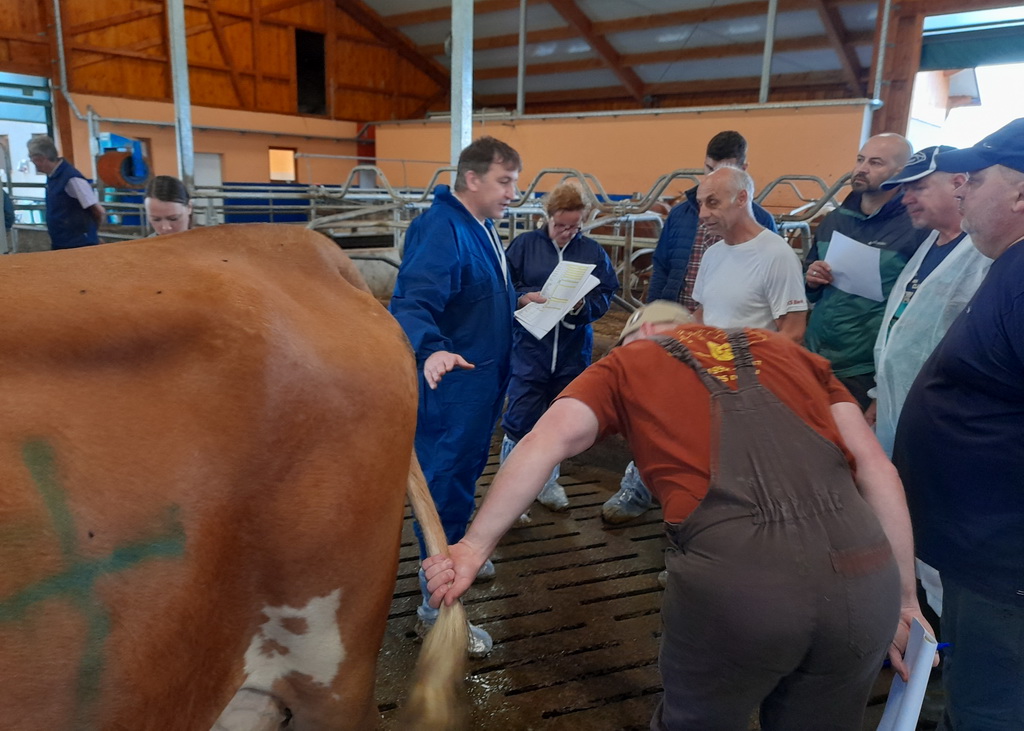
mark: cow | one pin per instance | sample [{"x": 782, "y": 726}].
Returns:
[{"x": 206, "y": 442}]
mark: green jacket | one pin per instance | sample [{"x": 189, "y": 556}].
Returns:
[{"x": 843, "y": 326}]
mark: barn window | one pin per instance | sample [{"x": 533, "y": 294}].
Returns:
[
  {"x": 311, "y": 72},
  {"x": 282, "y": 164}
]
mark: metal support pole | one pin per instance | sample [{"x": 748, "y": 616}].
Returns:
[
  {"x": 182, "y": 96},
  {"x": 769, "y": 43},
  {"x": 521, "y": 70},
  {"x": 883, "y": 42},
  {"x": 462, "y": 77}
]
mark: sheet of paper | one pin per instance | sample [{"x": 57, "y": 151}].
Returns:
[
  {"x": 904, "y": 705},
  {"x": 855, "y": 267},
  {"x": 568, "y": 283}
]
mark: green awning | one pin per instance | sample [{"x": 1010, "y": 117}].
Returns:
[{"x": 972, "y": 48}]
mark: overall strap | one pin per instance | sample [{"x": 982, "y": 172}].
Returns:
[
  {"x": 743, "y": 361},
  {"x": 680, "y": 352}
]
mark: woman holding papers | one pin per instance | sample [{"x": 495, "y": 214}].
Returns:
[{"x": 543, "y": 366}]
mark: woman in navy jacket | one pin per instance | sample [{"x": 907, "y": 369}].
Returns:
[{"x": 542, "y": 368}]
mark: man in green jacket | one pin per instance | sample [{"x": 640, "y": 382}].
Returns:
[{"x": 843, "y": 326}]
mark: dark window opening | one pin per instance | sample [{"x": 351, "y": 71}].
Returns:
[{"x": 311, "y": 71}]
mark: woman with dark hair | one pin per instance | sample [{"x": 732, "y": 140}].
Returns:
[
  {"x": 542, "y": 368},
  {"x": 168, "y": 205}
]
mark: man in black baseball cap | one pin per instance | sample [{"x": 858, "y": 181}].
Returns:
[{"x": 960, "y": 449}]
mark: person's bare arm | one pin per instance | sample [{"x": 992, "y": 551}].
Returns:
[
  {"x": 97, "y": 211},
  {"x": 793, "y": 325},
  {"x": 565, "y": 430},
  {"x": 880, "y": 485}
]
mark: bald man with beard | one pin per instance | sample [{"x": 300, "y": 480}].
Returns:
[{"x": 843, "y": 326}]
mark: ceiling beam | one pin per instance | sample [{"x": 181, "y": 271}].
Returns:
[
  {"x": 699, "y": 53},
  {"x": 582, "y": 25},
  {"x": 748, "y": 9},
  {"x": 505, "y": 41},
  {"x": 104, "y": 23},
  {"x": 444, "y": 13},
  {"x": 751, "y": 84},
  {"x": 366, "y": 17},
  {"x": 836, "y": 33},
  {"x": 225, "y": 52}
]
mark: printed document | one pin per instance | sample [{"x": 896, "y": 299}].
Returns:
[
  {"x": 568, "y": 284},
  {"x": 855, "y": 267},
  {"x": 904, "y": 704}
]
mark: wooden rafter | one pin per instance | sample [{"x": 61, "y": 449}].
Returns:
[
  {"x": 225, "y": 52},
  {"x": 435, "y": 15},
  {"x": 749, "y": 9},
  {"x": 365, "y": 16},
  {"x": 582, "y": 24},
  {"x": 104, "y": 23},
  {"x": 673, "y": 56},
  {"x": 749, "y": 85},
  {"x": 836, "y": 32}
]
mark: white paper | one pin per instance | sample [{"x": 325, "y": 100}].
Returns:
[
  {"x": 904, "y": 705},
  {"x": 567, "y": 284},
  {"x": 855, "y": 267}
]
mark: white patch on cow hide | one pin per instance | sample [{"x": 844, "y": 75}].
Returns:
[{"x": 279, "y": 648}]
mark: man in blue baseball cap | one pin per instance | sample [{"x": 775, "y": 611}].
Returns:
[
  {"x": 960, "y": 449},
  {"x": 931, "y": 291}
]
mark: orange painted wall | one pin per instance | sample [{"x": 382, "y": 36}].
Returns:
[
  {"x": 245, "y": 157},
  {"x": 627, "y": 154}
]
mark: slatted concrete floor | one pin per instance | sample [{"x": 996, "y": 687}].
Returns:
[{"x": 574, "y": 614}]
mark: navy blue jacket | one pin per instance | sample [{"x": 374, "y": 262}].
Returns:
[
  {"x": 70, "y": 225},
  {"x": 672, "y": 254},
  {"x": 568, "y": 347},
  {"x": 960, "y": 441},
  {"x": 449, "y": 294}
]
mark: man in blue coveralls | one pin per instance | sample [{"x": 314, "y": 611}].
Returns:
[{"x": 455, "y": 301}]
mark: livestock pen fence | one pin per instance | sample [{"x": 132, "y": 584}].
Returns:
[{"x": 368, "y": 215}]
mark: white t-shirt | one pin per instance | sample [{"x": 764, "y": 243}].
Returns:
[{"x": 750, "y": 284}]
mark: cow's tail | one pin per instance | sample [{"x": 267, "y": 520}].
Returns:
[{"x": 436, "y": 700}]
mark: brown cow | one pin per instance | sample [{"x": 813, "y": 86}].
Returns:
[{"x": 206, "y": 439}]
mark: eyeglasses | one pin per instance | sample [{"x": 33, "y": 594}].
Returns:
[{"x": 560, "y": 227}]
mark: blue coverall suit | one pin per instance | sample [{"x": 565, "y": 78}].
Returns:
[
  {"x": 451, "y": 295},
  {"x": 542, "y": 368}
]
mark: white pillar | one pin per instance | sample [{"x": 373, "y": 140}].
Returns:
[
  {"x": 462, "y": 76},
  {"x": 182, "y": 96}
]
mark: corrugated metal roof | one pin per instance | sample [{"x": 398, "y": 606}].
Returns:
[{"x": 620, "y": 48}]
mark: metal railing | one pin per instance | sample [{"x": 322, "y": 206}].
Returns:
[{"x": 362, "y": 217}]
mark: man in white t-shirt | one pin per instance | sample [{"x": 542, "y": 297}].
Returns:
[{"x": 752, "y": 277}]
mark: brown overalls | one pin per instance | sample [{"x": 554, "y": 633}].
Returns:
[{"x": 783, "y": 592}]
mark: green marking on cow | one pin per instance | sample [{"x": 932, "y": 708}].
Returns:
[{"x": 76, "y": 582}]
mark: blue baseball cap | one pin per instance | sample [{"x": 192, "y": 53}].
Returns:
[
  {"x": 920, "y": 165},
  {"x": 1003, "y": 147}
]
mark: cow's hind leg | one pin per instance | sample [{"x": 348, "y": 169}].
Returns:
[{"x": 252, "y": 710}]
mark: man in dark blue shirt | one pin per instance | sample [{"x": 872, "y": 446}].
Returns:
[{"x": 960, "y": 450}]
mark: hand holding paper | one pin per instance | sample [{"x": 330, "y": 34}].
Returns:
[
  {"x": 855, "y": 267},
  {"x": 568, "y": 283}
]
